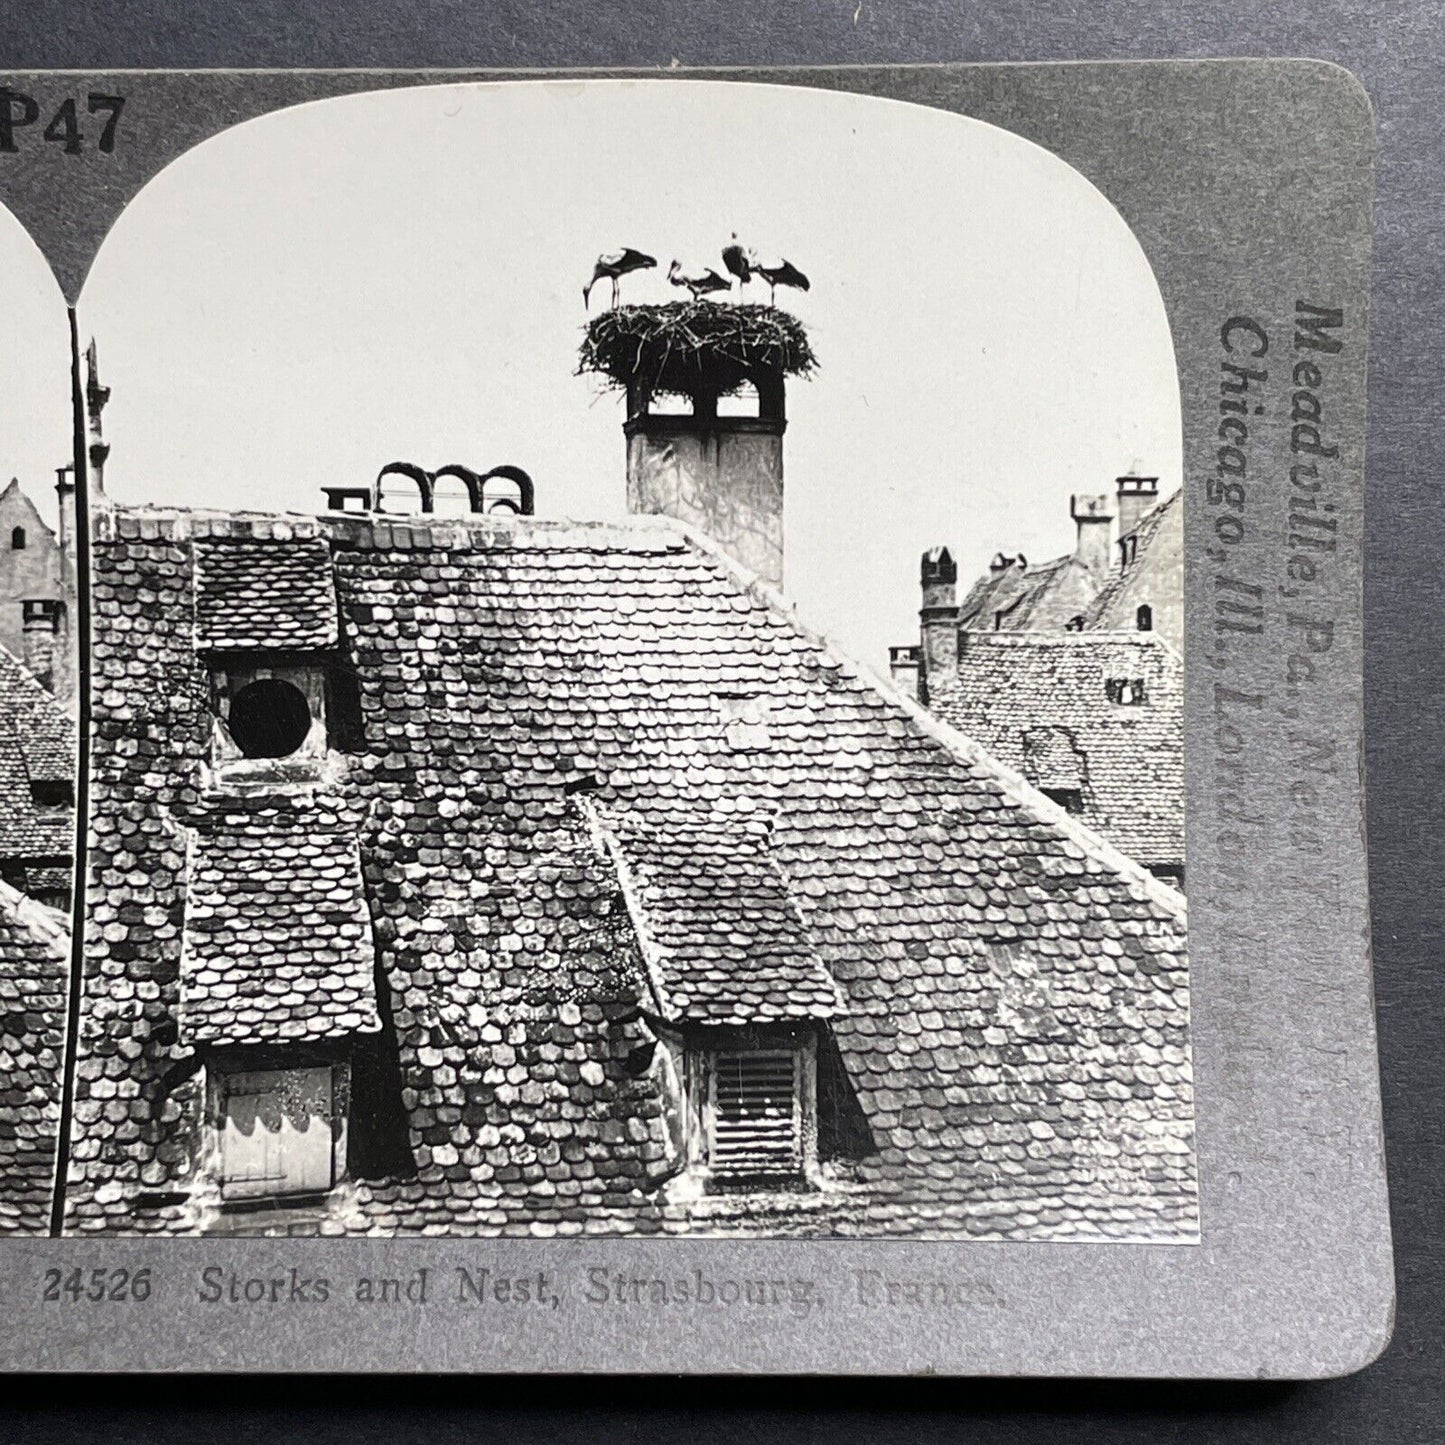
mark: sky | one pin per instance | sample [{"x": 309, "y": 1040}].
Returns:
[{"x": 397, "y": 276}]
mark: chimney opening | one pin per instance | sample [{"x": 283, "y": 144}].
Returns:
[
  {"x": 402, "y": 492},
  {"x": 451, "y": 496}
]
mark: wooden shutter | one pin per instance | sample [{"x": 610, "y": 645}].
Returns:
[
  {"x": 277, "y": 1133},
  {"x": 756, "y": 1113}
]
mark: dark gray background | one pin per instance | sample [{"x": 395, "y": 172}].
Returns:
[{"x": 1397, "y": 52}]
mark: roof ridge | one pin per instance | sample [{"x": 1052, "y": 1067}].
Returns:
[
  {"x": 382, "y": 529},
  {"x": 1014, "y": 785},
  {"x": 1061, "y": 638},
  {"x": 609, "y": 846}
]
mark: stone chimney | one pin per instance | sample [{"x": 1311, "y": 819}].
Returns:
[
  {"x": 720, "y": 474},
  {"x": 41, "y": 625},
  {"x": 938, "y": 617},
  {"x": 1094, "y": 517},
  {"x": 1136, "y": 496},
  {"x": 905, "y": 667}
]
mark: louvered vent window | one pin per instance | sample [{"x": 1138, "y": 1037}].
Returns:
[{"x": 756, "y": 1113}]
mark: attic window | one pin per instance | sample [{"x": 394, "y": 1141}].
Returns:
[
  {"x": 269, "y": 718},
  {"x": 17, "y": 539},
  {"x": 1128, "y": 549},
  {"x": 757, "y": 1108},
  {"x": 1144, "y": 618},
  {"x": 277, "y": 720},
  {"x": 281, "y": 1132},
  {"x": 1125, "y": 691},
  {"x": 53, "y": 793},
  {"x": 1075, "y": 623},
  {"x": 1071, "y": 800}
]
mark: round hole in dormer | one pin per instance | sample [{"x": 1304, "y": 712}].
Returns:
[{"x": 269, "y": 718}]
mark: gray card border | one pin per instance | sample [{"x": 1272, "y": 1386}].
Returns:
[{"x": 1248, "y": 184}]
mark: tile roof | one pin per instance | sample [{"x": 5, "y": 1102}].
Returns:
[
  {"x": 1148, "y": 528},
  {"x": 278, "y": 941},
  {"x": 1039, "y": 703},
  {"x": 34, "y": 949},
  {"x": 1019, "y": 595},
  {"x": 37, "y": 745},
  {"x": 1011, "y": 1055},
  {"x": 254, "y": 596},
  {"x": 720, "y": 930}
]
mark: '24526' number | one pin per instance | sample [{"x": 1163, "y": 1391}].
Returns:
[
  {"x": 19, "y": 111},
  {"x": 96, "y": 1285}
]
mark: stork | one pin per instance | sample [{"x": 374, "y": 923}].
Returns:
[
  {"x": 780, "y": 273},
  {"x": 700, "y": 280},
  {"x": 614, "y": 265},
  {"x": 740, "y": 261}
]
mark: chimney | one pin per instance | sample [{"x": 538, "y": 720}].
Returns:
[
  {"x": 1094, "y": 518},
  {"x": 1137, "y": 495},
  {"x": 721, "y": 474},
  {"x": 938, "y": 617},
  {"x": 65, "y": 497},
  {"x": 41, "y": 624},
  {"x": 905, "y": 668},
  {"x": 348, "y": 499}
]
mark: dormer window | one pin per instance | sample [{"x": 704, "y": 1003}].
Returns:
[
  {"x": 280, "y": 1132},
  {"x": 269, "y": 718},
  {"x": 1125, "y": 691},
  {"x": 52, "y": 794},
  {"x": 758, "y": 1113},
  {"x": 739, "y": 1105},
  {"x": 737, "y": 991},
  {"x": 268, "y": 713},
  {"x": 1071, "y": 800}
]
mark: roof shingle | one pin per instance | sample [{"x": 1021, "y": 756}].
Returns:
[
  {"x": 253, "y": 596},
  {"x": 1040, "y": 703},
  {"x": 37, "y": 745},
  {"x": 716, "y": 922},
  {"x": 1012, "y": 1046},
  {"x": 34, "y": 948},
  {"x": 1149, "y": 527},
  {"x": 277, "y": 936}
]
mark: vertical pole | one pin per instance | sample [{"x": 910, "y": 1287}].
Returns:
[{"x": 80, "y": 640}]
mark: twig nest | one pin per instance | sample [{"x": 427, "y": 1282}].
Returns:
[{"x": 693, "y": 348}]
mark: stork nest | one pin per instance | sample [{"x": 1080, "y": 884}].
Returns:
[{"x": 695, "y": 348}]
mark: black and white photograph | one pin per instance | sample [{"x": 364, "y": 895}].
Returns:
[{"x": 635, "y": 684}]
